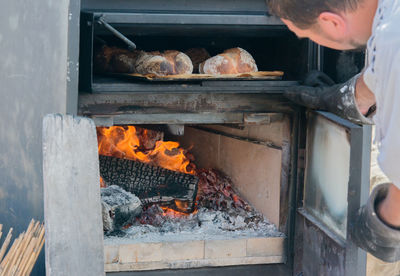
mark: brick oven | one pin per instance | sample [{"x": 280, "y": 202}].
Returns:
[{"x": 304, "y": 172}]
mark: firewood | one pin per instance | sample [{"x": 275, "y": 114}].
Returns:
[
  {"x": 24, "y": 251},
  {"x": 5, "y": 244},
  {"x": 151, "y": 184}
]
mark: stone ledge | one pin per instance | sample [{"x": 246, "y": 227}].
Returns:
[
  {"x": 185, "y": 264},
  {"x": 194, "y": 254}
]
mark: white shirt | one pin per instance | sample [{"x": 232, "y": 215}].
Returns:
[{"x": 382, "y": 76}]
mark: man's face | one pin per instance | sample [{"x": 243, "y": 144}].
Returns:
[{"x": 316, "y": 33}]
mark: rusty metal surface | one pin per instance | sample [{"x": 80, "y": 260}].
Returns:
[
  {"x": 322, "y": 254},
  {"x": 170, "y": 103}
]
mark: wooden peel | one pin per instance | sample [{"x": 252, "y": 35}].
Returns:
[
  {"x": 261, "y": 75},
  {"x": 23, "y": 253}
]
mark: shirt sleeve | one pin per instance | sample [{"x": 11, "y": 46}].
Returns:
[{"x": 382, "y": 76}]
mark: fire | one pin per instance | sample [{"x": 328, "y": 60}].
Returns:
[
  {"x": 129, "y": 143},
  {"x": 171, "y": 213}
]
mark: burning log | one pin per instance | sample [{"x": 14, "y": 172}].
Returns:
[{"x": 151, "y": 184}]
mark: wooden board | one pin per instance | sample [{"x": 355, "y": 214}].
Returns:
[
  {"x": 73, "y": 222},
  {"x": 261, "y": 75}
]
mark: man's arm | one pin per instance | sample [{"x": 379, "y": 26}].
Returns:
[
  {"x": 340, "y": 99},
  {"x": 364, "y": 97},
  {"x": 388, "y": 209}
]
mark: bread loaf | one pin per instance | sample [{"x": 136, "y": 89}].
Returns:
[
  {"x": 231, "y": 61},
  {"x": 197, "y": 55},
  {"x": 167, "y": 63},
  {"x": 114, "y": 60},
  {"x": 117, "y": 60}
]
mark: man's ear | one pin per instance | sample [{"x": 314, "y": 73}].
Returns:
[{"x": 332, "y": 24}]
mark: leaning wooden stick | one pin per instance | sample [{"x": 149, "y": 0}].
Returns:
[
  {"x": 5, "y": 245},
  {"x": 24, "y": 251}
]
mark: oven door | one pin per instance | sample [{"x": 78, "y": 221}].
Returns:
[{"x": 336, "y": 184}]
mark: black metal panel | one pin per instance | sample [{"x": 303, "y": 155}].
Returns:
[
  {"x": 176, "y": 5},
  {"x": 322, "y": 254},
  {"x": 185, "y": 18}
]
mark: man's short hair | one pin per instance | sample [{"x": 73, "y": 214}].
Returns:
[{"x": 304, "y": 13}]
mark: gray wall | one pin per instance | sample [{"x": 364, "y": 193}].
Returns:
[{"x": 34, "y": 81}]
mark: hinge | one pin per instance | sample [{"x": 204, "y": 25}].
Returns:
[{"x": 301, "y": 159}]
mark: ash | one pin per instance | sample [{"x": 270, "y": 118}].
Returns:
[{"x": 220, "y": 214}]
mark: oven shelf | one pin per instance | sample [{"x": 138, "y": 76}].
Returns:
[{"x": 109, "y": 85}]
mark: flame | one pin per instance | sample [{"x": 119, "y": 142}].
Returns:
[
  {"x": 102, "y": 183},
  {"x": 124, "y": 142},
  {"x": 171, "y": 213}
]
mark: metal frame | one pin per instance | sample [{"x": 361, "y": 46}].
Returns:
[
  {"x": 248, "y": 22},
  {"x": 189, "y": 18},
  {"x": 176, "y": 5},
  {"x": 358, "y": 190},
  {"x": 73, "y": 57}
]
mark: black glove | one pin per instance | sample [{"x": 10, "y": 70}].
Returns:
[
  {"x": 319, "y": 92},
  {"x": 370, "y": 233}
]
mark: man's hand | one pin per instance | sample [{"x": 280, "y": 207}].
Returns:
[
  {"x": 318, "y": 92},
  {"x": 371, "y": 232}
]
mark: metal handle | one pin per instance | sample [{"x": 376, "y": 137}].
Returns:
[{"x": 131, "y": 45}]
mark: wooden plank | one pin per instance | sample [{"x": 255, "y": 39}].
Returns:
[{"x": 74, "y": 236}]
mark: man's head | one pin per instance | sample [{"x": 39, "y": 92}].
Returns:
[{"x": 338, "y": 24}]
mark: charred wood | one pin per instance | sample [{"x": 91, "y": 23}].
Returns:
[{"x": 151, "y": 184}]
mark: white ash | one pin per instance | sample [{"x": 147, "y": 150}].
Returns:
[
  {"x": 221, "y": 214},
  {"x": 119, "y": 207},
  {"x": 206, "y": 224}
]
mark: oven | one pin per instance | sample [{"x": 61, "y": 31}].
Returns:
[{"x": 304, "y": 171}]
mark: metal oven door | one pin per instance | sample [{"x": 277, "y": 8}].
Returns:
[{"x": 336, "y": 184}]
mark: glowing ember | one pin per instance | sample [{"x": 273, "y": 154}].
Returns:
[
  {"x": 142, "y": 145},
  {"x": 171, "y": 213}
]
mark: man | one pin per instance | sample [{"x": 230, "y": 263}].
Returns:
[{"x": 352, "y": 24}]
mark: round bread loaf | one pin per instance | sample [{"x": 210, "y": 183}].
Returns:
[
  {"x": 114, "y": 60},
  {"x": 231, "y": 61},
  {"x": 117, "y": 60},
  {"x": 170, "y": 62}
]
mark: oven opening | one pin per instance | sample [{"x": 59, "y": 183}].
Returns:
[
  {"x": 207, "y": 197},
  {"x": 274, "y": 49}
]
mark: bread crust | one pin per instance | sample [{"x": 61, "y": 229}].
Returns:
[
  {"x": 117, "y": 60},
  {"x": 231, "y": 61}
]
